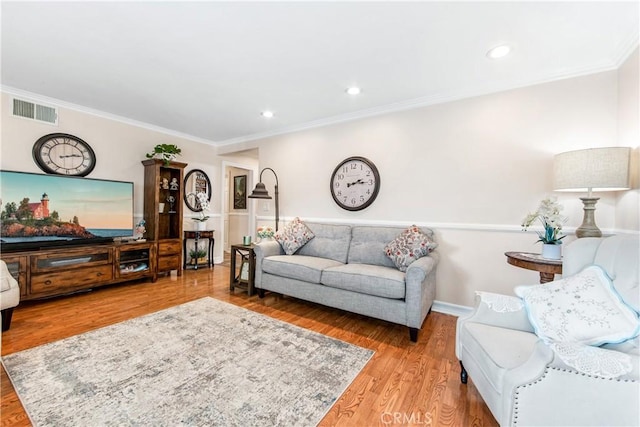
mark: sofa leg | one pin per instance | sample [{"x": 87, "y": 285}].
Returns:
[
  {"x": 463, "y": 374},
  {"x": 413, "y": 334},
  {"x": 6, "y": 318},
  {"x": 260, "y": 293}
]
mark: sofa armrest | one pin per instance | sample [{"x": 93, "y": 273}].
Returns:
[
  {"x": 263, "y": 250},
  {"x": 579, "y": 254},
  {"x": 10, "y": 292},
  {"x": 544, "y": 391},
  {"x": 420, "y": 291},
  {"x": 499, "y": 310}
]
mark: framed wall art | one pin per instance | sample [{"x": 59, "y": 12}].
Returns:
[{"x": 240, "y": 192}]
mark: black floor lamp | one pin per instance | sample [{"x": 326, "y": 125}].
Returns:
[{"x": 260, "y": 192}]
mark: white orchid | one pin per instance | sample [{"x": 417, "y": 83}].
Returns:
[
  {"x": 203, "y": 203},
  {"x": 548, "y": 214}
]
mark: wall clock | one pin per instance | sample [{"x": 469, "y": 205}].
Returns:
[
  {"x": 355, "y": 183},
  {"x": 64, "y": 154}
]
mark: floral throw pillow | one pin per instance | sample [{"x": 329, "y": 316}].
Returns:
[
  {"x": 295, "y": 235},
  {"x": 584, "y": 308},
  {"x": 409, "y": 246}
]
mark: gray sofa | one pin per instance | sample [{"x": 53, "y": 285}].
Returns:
[{"x": 346, "y": 267}]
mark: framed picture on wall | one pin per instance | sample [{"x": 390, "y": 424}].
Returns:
[{"x": 240, "y": 192}]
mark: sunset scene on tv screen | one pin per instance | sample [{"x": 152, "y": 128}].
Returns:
[{"x": 93, "y": 204}]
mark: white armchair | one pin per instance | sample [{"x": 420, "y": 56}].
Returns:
[
  {"x": 9, "y": 295},
  {"x": 525, "y": 382}
]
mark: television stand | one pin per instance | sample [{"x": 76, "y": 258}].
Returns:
[{"x": 59, "y": 271}]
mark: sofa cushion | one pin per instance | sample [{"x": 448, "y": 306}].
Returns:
[
  {"x": 583, "y": 308},
  {"x": 386, "y": 282},
  {"x": 618, "y": 256},
  {"x": 408, "y": 246},
  {"x": 295, "y": 235},
  {"x": 497, "y": 349},
  {"x": 300, "y": 267},
  {"x": 331, "y": 241},
  {"x": 367, "y": 244}
]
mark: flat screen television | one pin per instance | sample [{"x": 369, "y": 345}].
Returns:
[{"x": 39, "y": 211}]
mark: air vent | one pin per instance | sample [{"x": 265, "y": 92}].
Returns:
[{"x": 33, "y": 111}]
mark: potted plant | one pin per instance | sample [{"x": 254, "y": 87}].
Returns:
[
  {"x": 199, "y": 256},
  {"x": 265, "y": 232},
  {"x": 548, "y": 214},
  {"x": 166, "y": 152}
]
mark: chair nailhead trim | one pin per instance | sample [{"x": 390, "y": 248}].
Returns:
[{"x": 544, "y": 374}]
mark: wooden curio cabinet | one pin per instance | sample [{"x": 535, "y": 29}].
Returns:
[{"x": 163, "y": 187}]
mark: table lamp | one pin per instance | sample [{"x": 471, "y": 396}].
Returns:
[{"x": 593, "y": 169}]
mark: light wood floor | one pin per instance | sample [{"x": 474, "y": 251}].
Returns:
[{"x": 404, "y": 384}]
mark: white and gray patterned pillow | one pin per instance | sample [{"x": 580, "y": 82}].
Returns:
[
  {"x": 409, "y": 246},
  {"x": 295, "y": 235},
  {"x": 584, "y": 308}
]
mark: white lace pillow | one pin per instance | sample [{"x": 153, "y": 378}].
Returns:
[
  {"x": 409, "y": 246},
  {"x": 584, "y": 308},
  {"x": 295, "y": 235}
]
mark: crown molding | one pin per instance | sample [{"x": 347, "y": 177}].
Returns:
[
  {"x": 415, "y": 103},
  {"x": 627, "y": 47},
  {"x": 30, "y": 96}
]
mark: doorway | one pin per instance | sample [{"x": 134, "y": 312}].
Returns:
[{"x": 237, "y": 211}]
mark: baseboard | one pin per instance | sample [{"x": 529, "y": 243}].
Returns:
[{"x": 452, "y": 309}]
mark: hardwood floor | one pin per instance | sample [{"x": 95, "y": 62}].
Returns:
[{"x": 404, "y": 384}]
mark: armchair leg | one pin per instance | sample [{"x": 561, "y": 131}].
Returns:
[
  {"x": 6, "y": 318},
  {"x": 463, "y": 374},
  {"x": 413, "y": 334},
  {"x": 260, "y": 293}
]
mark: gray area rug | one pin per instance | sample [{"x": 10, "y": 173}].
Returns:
[{"x": 202, "y": 363}]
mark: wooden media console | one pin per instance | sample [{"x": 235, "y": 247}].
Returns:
[{"x": 58, "y": 271}]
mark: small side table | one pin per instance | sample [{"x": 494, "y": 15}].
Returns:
[
  {"x": 196, "y": 236},
  {"x": 548, "y": 268},
  {"x": 245, "y": 277}
]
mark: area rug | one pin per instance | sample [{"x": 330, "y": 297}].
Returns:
[{"x": 202, "y": 363}]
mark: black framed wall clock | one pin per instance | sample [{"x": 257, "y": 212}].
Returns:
[
  {"x": 64, "y": 154},
  {"x": 355, "y": 183}
]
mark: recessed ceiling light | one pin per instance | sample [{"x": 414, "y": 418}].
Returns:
[
  {"x": 353, "y": 90},
  {"x": 499, "y": 51},
  {"x": 268, "y": 114}
]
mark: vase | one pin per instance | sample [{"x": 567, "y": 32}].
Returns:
[
  {"x": 550, "y": 251},
  {"x": 201, "y": 225}
]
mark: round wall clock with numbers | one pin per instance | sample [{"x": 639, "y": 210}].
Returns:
[
  {"x": 355, "y": 183},
  {"x": 64, "y": 154}
]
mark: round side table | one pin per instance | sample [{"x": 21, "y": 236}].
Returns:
[{"x": 548, "y": 268}]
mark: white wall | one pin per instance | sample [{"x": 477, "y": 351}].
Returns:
[
  {"x": 628, "y": 202},
  {"x": 471, "y": 169},
  {"x": 119, "y": 149}
]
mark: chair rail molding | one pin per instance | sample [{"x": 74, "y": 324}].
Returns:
[{"x": 505, "y": 228}]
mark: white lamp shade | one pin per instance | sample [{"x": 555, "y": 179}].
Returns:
[{"x": 593, "y": 169}]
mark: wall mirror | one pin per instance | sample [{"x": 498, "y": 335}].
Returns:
[{"x": 196, "y": 181}]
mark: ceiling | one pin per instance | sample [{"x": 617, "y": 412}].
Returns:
[{"x": 206, "y": 70}]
